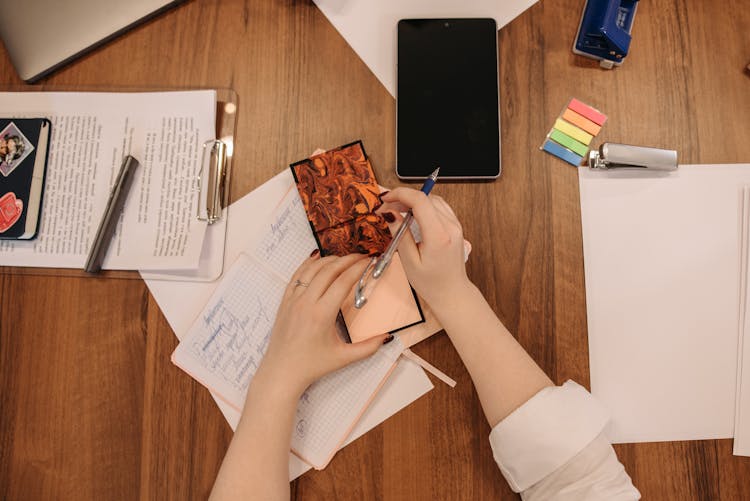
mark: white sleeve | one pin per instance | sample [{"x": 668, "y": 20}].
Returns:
[{"x": 552, "y": 447}]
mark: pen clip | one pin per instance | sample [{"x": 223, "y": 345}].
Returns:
[{"x": 211, "y": 183}]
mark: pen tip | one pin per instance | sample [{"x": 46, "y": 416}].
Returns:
[{"x": 434, "y": 174}]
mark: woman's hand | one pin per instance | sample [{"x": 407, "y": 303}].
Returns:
[
  {"x": 435, "y": 267},
  {"x": 304, "y": 344}
]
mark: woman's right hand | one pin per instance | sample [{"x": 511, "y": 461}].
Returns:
[{"x": 435, "y": 267}]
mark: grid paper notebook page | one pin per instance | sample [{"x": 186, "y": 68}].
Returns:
[
  {"x": 223, "y": 348},
  {"x": 330, "y": 408},
  {"x": 289, "y": 239}
]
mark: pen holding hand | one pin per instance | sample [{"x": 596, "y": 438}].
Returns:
[
  {"x": 378, "y": 265},
  {"x": 435, "y": 267}
]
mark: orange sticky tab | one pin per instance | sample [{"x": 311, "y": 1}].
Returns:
[{"x": 582, "y": 122}]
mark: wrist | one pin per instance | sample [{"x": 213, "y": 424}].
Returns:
[
  {"x": 451, "y": 298},
  {"x": 273, "y": 382},
  {"x": 461, "y": 304}
]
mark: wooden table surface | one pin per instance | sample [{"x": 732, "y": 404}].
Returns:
[{"x": 92, "y": 408}]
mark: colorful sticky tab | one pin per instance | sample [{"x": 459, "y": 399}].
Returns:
[
  {"x": 581, "y": 121},
  {"x": 563, "y": 153},
  {"x": 587, "y": 111},
  {"x": 568, "y": 142},
  {"x": 573, "y": 131}
]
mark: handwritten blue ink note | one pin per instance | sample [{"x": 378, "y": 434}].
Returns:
[
  {"x": 289, "y": 239},
  {"x": 226, "y": 343}
]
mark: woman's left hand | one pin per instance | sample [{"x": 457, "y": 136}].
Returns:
[{"x": 304, "y": 344}]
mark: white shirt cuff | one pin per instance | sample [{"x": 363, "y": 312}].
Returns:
[{"x": 545, "y": 433}]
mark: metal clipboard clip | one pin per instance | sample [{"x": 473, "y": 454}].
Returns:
[
  {"x": 625, "y": 156},
  {"x": 212, "y": 181}
]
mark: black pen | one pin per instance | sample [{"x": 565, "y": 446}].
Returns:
[{"x": 111, "y": 214}]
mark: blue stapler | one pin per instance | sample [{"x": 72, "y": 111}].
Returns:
[{"x": 604, "y": 32}]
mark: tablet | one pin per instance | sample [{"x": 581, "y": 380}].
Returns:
[{"x": 447, "y": 99}]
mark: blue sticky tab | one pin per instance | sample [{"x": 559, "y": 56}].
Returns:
[{"x": 563, "y": 153}]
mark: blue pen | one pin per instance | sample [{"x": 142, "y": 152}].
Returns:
[{"x": 385, "y": 259}]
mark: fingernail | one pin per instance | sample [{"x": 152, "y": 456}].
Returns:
[
  {"x": 389, "y": 217},
  {"x": 388, "y": 339},
  {"x": 383, "y": 194},
  {"x": 315, "y": 253}
]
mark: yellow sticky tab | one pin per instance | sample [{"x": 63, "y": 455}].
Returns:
[{"x": 573, "y": 131}]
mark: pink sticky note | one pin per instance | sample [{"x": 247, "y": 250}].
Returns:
[
  {"x": 391, "y": 306},
  {"x": 587, "y": 111}
]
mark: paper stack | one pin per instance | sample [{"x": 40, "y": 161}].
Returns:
[
  {"x": 663, "y": 279},
  {"x": 742, "y": 410}
]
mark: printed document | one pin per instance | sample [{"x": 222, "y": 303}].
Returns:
[{"x": 91, "y": 133}]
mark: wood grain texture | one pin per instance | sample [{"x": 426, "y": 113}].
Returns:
[{"x": 92, "y": 408}]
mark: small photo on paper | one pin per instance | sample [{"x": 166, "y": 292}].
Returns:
[{"x": 14, "y": 148}]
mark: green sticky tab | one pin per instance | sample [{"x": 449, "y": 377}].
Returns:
[
  {"x": 568, "y": 142},
  {"x": 573, "y": 131}
]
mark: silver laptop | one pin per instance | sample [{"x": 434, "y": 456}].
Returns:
[{"x": 50, "y": 33}]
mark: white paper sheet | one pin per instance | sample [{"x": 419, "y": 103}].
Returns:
[
  {"x": 247, "y": 219},
  {"x": 91, "y": 133},
  {"x": 742, "y": 399},
  {"x": 662, "y": 281},
  {"x": 370, "y": 26}
]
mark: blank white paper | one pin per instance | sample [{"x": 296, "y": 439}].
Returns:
[
  {"x": 370, "y": 26},
  {"x": 662, "y": 270}
]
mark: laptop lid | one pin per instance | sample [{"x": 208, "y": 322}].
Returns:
[{"x": 43, "y": 35}]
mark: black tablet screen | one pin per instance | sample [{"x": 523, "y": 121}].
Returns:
[{"x": 448, "y": 98}]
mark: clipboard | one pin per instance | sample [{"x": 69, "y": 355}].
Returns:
[{"x": 210, "y": 185}]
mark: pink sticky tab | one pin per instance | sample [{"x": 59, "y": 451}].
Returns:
[{"x": 587, "y": 111}]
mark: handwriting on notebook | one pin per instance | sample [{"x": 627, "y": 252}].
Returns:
[
  {"x": 225, "y": 345},
  {"x": 289, "y": 240},
  {"x": 228, "y": 344},
  {"x": 228, "y": 340}
]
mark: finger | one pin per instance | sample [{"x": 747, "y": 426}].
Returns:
[
  {"x": 329, "y": 272},
  {"x": 342, "y": 286},
  {"x": 448, "y": 216},
  {"x": 392, "y": 207},
  {"x": 305, "y": 272},
  {"x": 423, "y": 210},
  {"x": 440, "y": 203},
  {"x": 407, "y": 248},
  {"x": 357, "y": 351}
]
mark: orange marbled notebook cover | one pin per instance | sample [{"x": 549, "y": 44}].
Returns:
[{"x": 340, "y": 194}]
